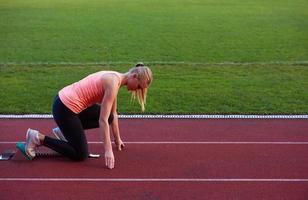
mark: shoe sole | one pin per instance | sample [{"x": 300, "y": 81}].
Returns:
[{"x": 22, "y": 147}]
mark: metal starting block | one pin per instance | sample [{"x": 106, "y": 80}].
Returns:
[{"x": 7, "y": 154}]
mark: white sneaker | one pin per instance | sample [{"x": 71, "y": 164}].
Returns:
[
  {"x": 32, "y": 141},
  {"x": 57, "y": 132}
]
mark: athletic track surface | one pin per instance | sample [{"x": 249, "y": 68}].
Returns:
[{"x": 168, "y": 159}]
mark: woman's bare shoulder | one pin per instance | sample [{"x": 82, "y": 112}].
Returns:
[{"x": 111, "y": 79}]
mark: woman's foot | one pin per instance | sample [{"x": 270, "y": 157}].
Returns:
[{"x": 32, "y": 141}]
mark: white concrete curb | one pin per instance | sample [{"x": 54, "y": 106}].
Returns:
[{"x": 46, "y": 116}]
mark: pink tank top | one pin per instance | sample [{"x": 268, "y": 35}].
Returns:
[{"x": 84, "y": 93}]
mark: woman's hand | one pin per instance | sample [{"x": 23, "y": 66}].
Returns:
[
  {"x": 109, "y": 159},
  {"x": 119, "y": 143}
]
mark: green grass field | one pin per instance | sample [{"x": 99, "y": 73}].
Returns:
[
  {"x": 153, "y": 30},
  {"x": 175, "y": 90},
  {"x": 48, "y": 44}
]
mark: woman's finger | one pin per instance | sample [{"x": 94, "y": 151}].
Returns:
[
  {"x": 111, "y": 163},
  {"x": 109, "y": 159}
]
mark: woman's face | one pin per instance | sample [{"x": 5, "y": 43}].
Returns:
[{"x": 133, "y": 83}]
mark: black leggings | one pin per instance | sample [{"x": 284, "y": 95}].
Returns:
[{"x": 72, "y": 127}]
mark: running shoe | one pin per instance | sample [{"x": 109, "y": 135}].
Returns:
[
  {"x": 57, "y": 132},
  {"x": 32, "y": 141},
  {"x": 21, "y": 146}
]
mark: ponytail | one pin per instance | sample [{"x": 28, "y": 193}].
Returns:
[{"x": 144, "y": 74}]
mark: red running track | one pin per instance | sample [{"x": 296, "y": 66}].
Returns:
[{"x": 169, "y": 170}]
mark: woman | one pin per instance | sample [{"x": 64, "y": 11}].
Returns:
[{"x": 76, "y": 108}]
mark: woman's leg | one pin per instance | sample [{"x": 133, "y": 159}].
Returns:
[
  {"x": 90, "y": 117},
  {"x": 69, "y": 123}
]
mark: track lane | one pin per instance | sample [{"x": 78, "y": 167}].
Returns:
[
  {"x": 248, "y": 130},
  {"x": 190, "y": 161},
  {"x": 193, "y": 161},
  {"x": 153, "y": 191}
]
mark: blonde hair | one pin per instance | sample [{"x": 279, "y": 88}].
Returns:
[{"x": 144, "y": 73}]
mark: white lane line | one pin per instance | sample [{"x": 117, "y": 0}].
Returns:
[
  {"x": 156, "y": 62},
  {"x": 150, "y": 180},
  {"x": 187, "y": 142}
]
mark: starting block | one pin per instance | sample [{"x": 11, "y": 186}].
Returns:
[{"x": 7, "y": 154}]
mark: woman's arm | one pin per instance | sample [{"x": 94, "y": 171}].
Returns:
[
  {"x": 115, "y": 127},
  {"x": 110, "y": 94}
]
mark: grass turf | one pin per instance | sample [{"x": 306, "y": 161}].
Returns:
[
  {"x": 164, "y": 31},
  {"x": 276, "y": 89},
  {"x": 153, "y": 30}
]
